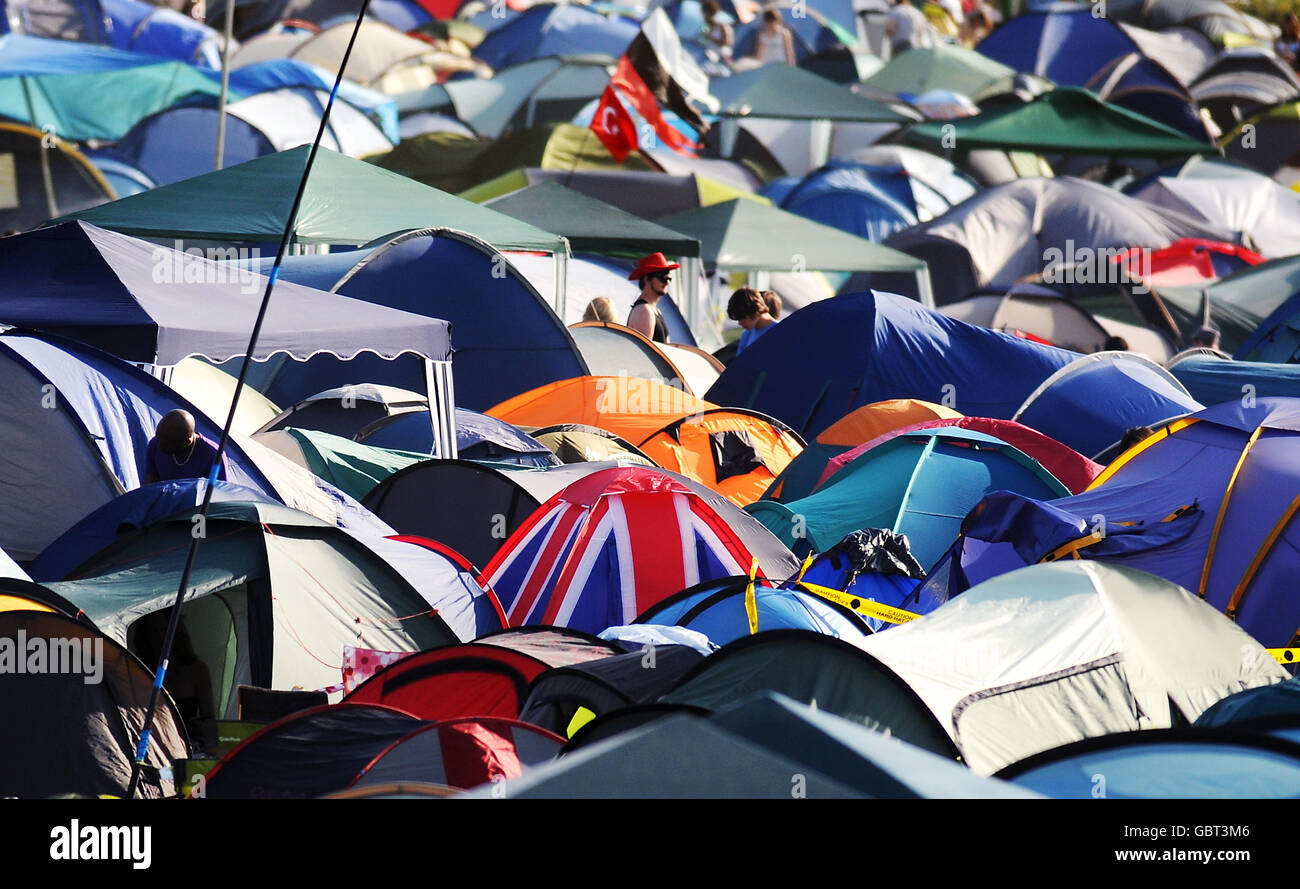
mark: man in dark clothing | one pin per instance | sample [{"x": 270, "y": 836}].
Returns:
[{"x": 178, "y": 451}]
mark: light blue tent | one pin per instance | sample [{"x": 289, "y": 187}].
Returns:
[
  {"x": 920, "y": 484},
  {"x": 871, "y": 202},
  {"x": 1092, "y": 402}
]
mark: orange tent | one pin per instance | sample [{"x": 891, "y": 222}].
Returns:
[
  {"x": 735, "y": 452},
  {"x": 874, "y": 420}
]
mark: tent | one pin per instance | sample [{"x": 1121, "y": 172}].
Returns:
[
  {"x": 1030, "y": 226},
  {"x": 1172, "y": 505},
  {"x": 842, "y": 679},
  {"x": 79, "y": 91},
  {"x": 275, "y": 596},
  {"x": 920, "y": 484},
  {"x": 1241, "y": 82},
  {"x": 945, "y": 66},
  {"x": 871, "y": 203},
  {"x": 1090, "y": 403},
  {"x": 557, "y": 696},
  {"x": 1212, "y": 380},
  {"x": 1039, "y": 311},
  {"x": 1067, "y": 120},
  {"x": 506, "y": 337},
  {"x": 1254, "y": 707},
  {"x": 87, "y": 448},
  {"x": 478, "y": 437},
  {"x": 347, "y": 410},
  {"x": 741, "y": 235},
  {"x": 1056, "y": 653},
  {"x": 1145, "y": 71},
  {"x": 180, "y": 142},
  {"x": 74, "y": 735},
  {"x": 648, "y": 194},
  {"x": 719, "y": 610},
  {"x": 551, "y": 89},
  {"x": 309, "y": 753},
  {"x": 591, "y": 225},
  {"x": 613, "y": 350},
  {"x": 863, "y": 424},
  {"x": 145, "y": 28},
  {"x": 454, "y": 682},
  {"x": 79, "y": 20},
  {"x": 580, "y": 560},
  {"x": 1221, "y": 23},
  {"x": 1168, "y": 764},
  {"x": 861, "y": 348},
  {"x": 347, "y": 201},
  {"x": 211, "y": 390},
  {"x": 1266, "y": 141},
  {"x": 555, "y": 30},
  {"x": 1240, "y": 304},
  {"x": 791, "y": 93},
  {"x": 1259, "y": 211},
  {"x": 462, "y": 753},
  {"x": 351, "y": 467},
  {"x": 45, "y": 176},
  {"x": 580, "y": 443}
]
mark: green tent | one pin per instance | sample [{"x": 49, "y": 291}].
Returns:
[
  {"x": 744, "y": 236},
  {"x": 654, "y": 194},
  {"x": 592, "y": 226},
  {"x": 455, "y": 163},
  {"x": 274, "y": 596},
  {"x": 789, "y": 93},
  {"x": 1234, "y": 305},
  {"x": 101, "y": 105},
  {"x": 350, "y": 466},
  {"x": 1067, "y": 120},
  {"x": 943, "y": 67},
  {"x": 347, "y": 201}
]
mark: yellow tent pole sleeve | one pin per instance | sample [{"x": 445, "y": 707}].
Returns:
[
  {"x": 1258, "y": 560},
  {"x": 863, "y": 606},
  {"x": 1223, "y": 510},
  {"x": 1155, "y": 437}
]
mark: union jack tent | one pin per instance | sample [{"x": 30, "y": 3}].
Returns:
[{"x": 612, "y": 544}]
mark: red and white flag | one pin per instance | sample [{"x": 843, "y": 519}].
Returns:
[{"x": 613, "y": 126}]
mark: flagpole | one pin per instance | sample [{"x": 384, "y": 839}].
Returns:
[{"x": 225, "y": 83}]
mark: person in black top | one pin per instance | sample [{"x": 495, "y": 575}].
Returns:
[{"x": 652, "y": 275}]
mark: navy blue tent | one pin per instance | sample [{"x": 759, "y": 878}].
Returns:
[
  {"x": 842, "y": 353},
  {"x": 505, "y": 339},
  {"x": 1090, "y": 404},
  {"x": 1269, "y": 702},
  {"x": 478, "y": 437},
  {"x": 550, "y": 30}
]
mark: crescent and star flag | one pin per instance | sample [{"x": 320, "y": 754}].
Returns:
[{"x": 613, "y": 126}]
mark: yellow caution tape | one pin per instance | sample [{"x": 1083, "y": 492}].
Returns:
[
  {"x": 862, "y": 606},
  {"x": 751, "y": 603},
  {"x": 1285, "y": 655}
]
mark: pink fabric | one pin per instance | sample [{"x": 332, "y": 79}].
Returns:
[
  {"x": 359, "y": 664},
  {"x": 1071, "y": 468}
]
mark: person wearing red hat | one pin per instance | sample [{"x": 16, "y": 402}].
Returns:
[{"x": 652, "y": 275}]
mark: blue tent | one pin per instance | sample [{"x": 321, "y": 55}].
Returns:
[
  {"x": 871, "y": 202},
  {"x": 717, "y": 608},
  {"x": 1271, "y": 702},
  {"x": 550, "y": 30},
  {"x": 160, "y": 31},
  {"x": 1069, "y": 45},
  {"x": 71, "y": 20},
  {"x": 810, "y": 32},
  {"x": 842, "y": 353},
  {"x": 1208, "y": 503},
  {"x": 1165, "y": 764},
  {"x": 478, "y": 437},
  {"x": 125, "y": 179},
  {"x": 1212, "y": 380},
  {"x": 505, "y": 339},
  {"x": 920, "y": 484},
  {"x": 1092, "y": 402},
  {"x": 1277, "y": 338},
  {"x": 73, "y": 428},
  {"x": 274, "y": 74}
]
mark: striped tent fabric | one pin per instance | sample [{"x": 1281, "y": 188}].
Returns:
[{"x": 611, "y": 545}]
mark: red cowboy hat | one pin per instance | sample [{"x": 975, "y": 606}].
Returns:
[{"x": 648, "y": 265}]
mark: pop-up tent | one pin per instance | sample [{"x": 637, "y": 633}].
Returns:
[
  {"x": 1029, "y": 226},
  {"x": 555, "y": 30},
  {"x": 276, "y": 595},
  {"x": 594, "y": 555},
  {"x": 1057, "y": 653},
  {"x": 946, "y": 66},
  {"x": 86, "y": 742},
  {"x": 861, "y": 348},
  {"x": 1208, "y": 503}
]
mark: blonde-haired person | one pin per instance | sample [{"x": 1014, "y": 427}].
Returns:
[{"x": 600, "y": 309}]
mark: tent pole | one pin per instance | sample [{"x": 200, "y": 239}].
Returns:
[
  {"x": 432, "y": 391},
  {"x": 923, "y": 287},
  {"x": 225, "y": 84}
]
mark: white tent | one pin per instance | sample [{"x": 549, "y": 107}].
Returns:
[{"x": 1056, "y": 653}]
